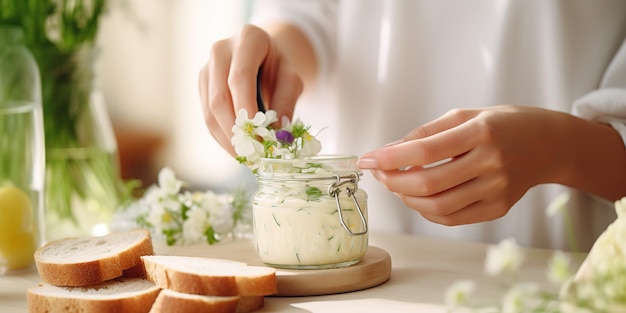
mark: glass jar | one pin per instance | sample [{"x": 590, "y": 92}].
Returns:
[
  {"x": 309, "y": 213},
  {"x": 22, "y": 152}
]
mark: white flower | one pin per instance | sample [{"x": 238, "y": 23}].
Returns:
[
  {"x": 558, "y": 268},
  {"x": 459, "y": 293},
  {"x": 270, "y": 117},
  {"x": 154, "y": 194},
  {"x": 247, "y": 146},
  {"x": 159, "y": 217},
  {"x": 257, "y": 126},
  {"x": 505, "y": 257},
  {"x": 283, "y": 153},
  {"x": 168, "y": 182},
  {"x": 195, "y": 225},
  {"x": 246, "y": 132},
  {"x": 256, "y": 138},
  {"x": 310, "y": 146},
  {"x": 520, "y": 298},
  {"x": 220, "y": 211},
  {"x": 600, "y": 282}
]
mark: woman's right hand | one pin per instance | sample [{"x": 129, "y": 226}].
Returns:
[{"x": 228, "y": 80}]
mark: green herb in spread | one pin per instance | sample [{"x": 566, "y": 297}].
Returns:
[{"x": 313, "y": 194}]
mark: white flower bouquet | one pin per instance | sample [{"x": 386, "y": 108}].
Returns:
[
  {"x": 191, "y": 217},
  {"x": 187, "y": 217},
  {"x": 256, "y": 138},
  {"x": 600, "y": 283}
]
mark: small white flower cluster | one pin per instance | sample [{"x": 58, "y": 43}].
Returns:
[
  {"x": 599, "y": 285},
  {"x": 505, "y": 259},
  {"x": 255, "y": 138},
  {"x": 186, "y": 217}
]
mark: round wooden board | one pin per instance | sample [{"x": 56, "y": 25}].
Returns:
[{"x": 373, "y": 270}]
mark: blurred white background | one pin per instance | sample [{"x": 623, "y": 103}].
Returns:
[{"x": 151, "y": 54}]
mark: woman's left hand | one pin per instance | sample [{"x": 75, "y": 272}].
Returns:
[{"x": 486, "y": 159}]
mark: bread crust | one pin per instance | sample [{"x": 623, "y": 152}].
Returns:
[
  {"x": 248, "y": 304},
  {"x": 210, "y": 284},
  {"x": 176, "y": 302},
  {"x": 46, "y": 303},
  {"x": 103, "y": 268},
  {"x": 169, "y": 302}
]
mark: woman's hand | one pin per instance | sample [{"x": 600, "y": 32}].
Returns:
[
  {"x": 491, "y": 157},
  {"x": 227, "y": 82}
]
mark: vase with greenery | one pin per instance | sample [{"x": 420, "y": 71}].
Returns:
[{"x": 83, "y": 183}]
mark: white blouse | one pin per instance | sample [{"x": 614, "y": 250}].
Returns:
[{"x": 389, "y": 66}]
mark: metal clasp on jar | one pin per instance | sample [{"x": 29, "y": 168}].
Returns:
[{"x": 350, "y": 183}]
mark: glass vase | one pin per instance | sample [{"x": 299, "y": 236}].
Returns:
[
  {"x": 83, "y": 183},
  {"x": 22, "y": 158}
]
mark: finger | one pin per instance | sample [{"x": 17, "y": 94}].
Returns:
[
  {"x": 421, "y": 182},
  {"x": 451, "y": 119},
  {"x": 477, "y": 212},
  {"x": 221, "y": 138},
  {"x": 203, "y": 91},
  {"x": 288, "y": 87},
  {"x": 446, "y": 207},
  {"x": 457, "y": 199},
  {"x": 251, "y": 50},
  {"x": 420, "y": 152},
  {"x": 447, "y": 202},
  {"x": 209, "y": 119},
  {"x": 220, "y": 115}
]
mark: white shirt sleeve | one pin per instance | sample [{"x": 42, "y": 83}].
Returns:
[
  {"x": 608, "y": 103},
  {"x": 317, "y": 19}
]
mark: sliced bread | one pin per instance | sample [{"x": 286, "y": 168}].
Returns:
[
  {"x": 173, "y": 301},
  {"x": 133, "y": 295},
  {"x": 91, "y": 260},
  {"x": 248, "y": 304},
  {"x": 210, "y": 276}
]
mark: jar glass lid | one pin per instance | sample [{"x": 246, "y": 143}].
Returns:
[{"x": 328, "y": 165}]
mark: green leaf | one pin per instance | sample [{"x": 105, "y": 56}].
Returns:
[
  {"x": 241, "y": 159},
  {"x": 183, "y": 211},
  {"x": 299, "y": 130},
  {"x": 142, "y": 220},
  {"x": 211, "y": 236},
  {"x": 171, "y": 236}
]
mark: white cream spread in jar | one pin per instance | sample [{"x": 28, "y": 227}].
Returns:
[{"x": 309, "y": 213}]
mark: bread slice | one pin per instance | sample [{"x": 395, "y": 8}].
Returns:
[
  {"x": 173, "y": 301},
  {"x": 248, "y": 304},
  {"x": 91, "y": 260},
  {"x": 210, "y": 276},
  {"x": 133, "y": 295}
]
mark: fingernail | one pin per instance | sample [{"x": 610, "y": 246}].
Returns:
[
  {"x": 367, "y": 163},
  {"x": 393, "y": 143},
  {"x": 284, "y": 120}
]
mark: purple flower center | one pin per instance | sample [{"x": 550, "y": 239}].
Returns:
[{"x": 284, "y": 137}]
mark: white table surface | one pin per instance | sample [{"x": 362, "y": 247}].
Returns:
[{"x": 422, "y": 269}]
